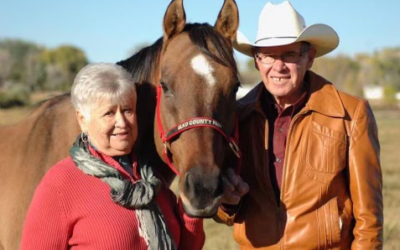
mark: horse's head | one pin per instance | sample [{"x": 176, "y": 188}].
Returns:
[{"x": 196, "y": 103}]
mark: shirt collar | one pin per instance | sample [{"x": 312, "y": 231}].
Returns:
[{"x": 269, "y": 100}]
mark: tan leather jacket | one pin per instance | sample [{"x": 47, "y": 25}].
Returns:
[{"x": 331, "y": 194}]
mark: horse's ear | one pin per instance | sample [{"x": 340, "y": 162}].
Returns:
[
  {"x": 228, "y": 20},
  {"x": 174, "y": 19}
]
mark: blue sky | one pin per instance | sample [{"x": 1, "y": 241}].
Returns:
[{"x": 108, "y": 31}]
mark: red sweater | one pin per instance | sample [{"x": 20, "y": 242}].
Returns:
[{"x": 72, "y": 210}]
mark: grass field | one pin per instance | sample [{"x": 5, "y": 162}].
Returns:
[
  {"x": 219, "y": 237},
  {"x": 389, "y": 135}
]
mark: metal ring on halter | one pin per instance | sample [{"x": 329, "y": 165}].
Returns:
[
  {"x": 84, "y": 137},
  {"x": 234, "y": 148}
]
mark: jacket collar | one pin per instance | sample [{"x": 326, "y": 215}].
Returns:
[{"x": 323, "y": 98}]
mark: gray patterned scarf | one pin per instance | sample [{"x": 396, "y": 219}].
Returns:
[{"x": 138, "y": 195}]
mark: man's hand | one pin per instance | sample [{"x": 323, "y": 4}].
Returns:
[{"x": 234, "y": 188}]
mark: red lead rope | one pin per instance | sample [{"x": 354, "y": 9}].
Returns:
[{"x": 194, "y": 123}]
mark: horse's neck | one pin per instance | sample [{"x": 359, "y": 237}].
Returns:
[
  {"x": 143, "y": 67},
  {"x": 145, "y": 147},
  {"x": 40, "y": 140}
]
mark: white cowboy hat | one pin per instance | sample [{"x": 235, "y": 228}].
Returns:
[{"x": 280, "y": 25}]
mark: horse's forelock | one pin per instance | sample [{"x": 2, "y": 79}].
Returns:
[
  {"x": 199, "y": 33},
  {"x": 143, "y": 64}
]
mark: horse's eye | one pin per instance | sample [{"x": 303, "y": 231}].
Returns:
[
  {"x": 166, "y": 90},
  {"x": 164, "y": 87}
]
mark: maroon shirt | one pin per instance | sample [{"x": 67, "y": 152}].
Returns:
[{"x": 279, "y": 121}]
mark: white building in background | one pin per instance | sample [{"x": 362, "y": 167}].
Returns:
[
  {"x": 376, "y": 93},
  {"x": 243, "y": 90},
  {"x": 373, "y": 92}
]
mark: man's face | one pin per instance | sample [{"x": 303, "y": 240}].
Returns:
[{"x": 282, "y": 70}]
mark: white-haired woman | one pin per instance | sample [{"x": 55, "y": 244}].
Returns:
[{"x": 102, "y": 196}]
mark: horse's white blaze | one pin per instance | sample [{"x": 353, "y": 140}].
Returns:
[{"x": 202, "y": 67}]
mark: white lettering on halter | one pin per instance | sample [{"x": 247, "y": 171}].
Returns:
[
  {"x": 199, "y": 121},
  {"x": 202, "y": 67}
]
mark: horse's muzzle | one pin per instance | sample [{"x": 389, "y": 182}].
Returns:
[{"x": 201, "y": 192}]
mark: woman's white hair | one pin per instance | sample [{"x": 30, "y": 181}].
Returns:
[{"x": 101, "y": 82}]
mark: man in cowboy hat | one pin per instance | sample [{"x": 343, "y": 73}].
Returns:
[{"x": 310, "y": 152}]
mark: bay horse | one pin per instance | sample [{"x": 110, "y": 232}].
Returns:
[{"x": 186, "y": 83}]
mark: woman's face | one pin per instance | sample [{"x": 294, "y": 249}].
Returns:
[{"x": 112, "y": 128}]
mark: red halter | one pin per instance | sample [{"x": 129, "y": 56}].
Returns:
[{"x": 195, "y": 122}]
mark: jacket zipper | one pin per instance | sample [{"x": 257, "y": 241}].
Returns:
[{"x": 285, "y": 166}]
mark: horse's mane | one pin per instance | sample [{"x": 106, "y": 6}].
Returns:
[
  {"x": 47, "y": 104},
  {"x": 143, "y": 64},
  {"x": 54, "y": 100}
]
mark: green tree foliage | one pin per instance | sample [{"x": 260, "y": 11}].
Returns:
[
  {"x": 18, "y": 57},
  {"x": 6, "y": 67},
  {"x": 27, "y": 67},
  {"x": 16, "y": 95},
  {"x": 386, "y": 66},
  {"x": 390, "y": 94},
  {"x": 61, "y": 65},
  {"x": 341, "y": 70},
  {"x": 38, "y": 68},
  {"x": 250, "y": 75}
]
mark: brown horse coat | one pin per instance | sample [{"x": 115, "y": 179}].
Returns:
[{"x": 28, "y": 149}]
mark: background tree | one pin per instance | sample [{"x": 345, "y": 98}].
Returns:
[
  {"x": 17, "y": 54},
  {"x": 249, "y": 75},
  {"x": 27, "y": 67},
  {"x": 61, "y": 65},
  {"x": 6, "y": 67},
  {"x": 341, "y": 70}
]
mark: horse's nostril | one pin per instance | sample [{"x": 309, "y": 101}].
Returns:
[
  {"x": 200, "y": 187},
  {"x": 188, "y": 183}
]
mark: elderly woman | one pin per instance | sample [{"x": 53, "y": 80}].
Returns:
[{"x": 103, "y": 196}]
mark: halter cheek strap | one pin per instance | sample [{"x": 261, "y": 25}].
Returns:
[{"x": 196, "y": 122}]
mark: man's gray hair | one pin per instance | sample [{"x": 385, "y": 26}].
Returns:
[{"x": 101, "y": 82}]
